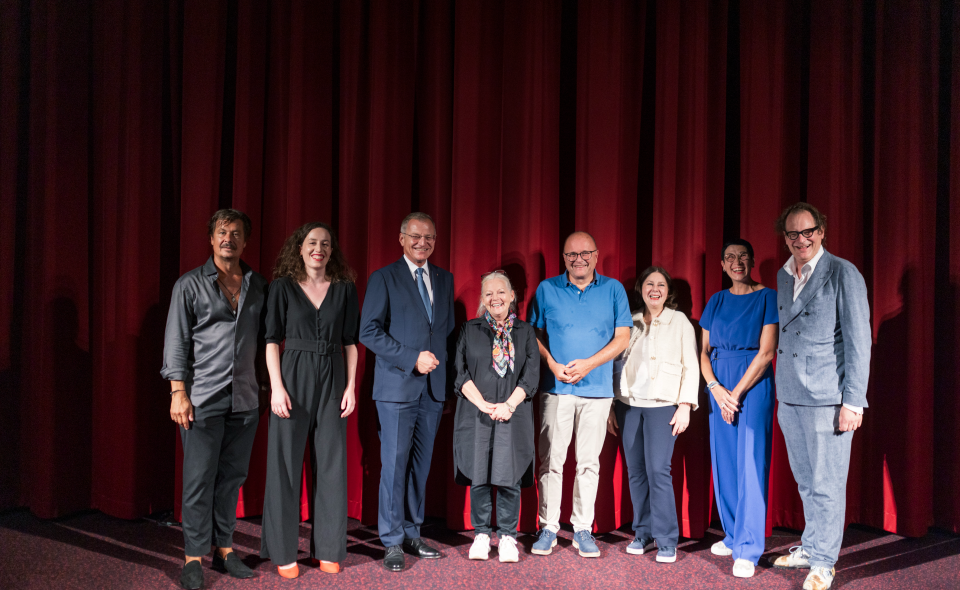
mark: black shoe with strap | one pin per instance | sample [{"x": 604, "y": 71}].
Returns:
[
  {"x": 232, "y": 565},
  {"x": 191, "y": 577},
  {"x": 393, "y": 560},
  {"x": 419, "y": 548}
]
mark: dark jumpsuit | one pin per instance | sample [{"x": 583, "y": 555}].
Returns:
[{"x": 314, "y": 375}]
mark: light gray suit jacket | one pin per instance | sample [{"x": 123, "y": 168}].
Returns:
[{"x": 824, "y": 354}]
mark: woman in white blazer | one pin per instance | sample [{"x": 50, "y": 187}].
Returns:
[{"x": 657, "y": 390}]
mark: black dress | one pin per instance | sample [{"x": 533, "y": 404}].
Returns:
[
  {"x": 486, "y": 451},
  {"x": 314, "y": 375}
]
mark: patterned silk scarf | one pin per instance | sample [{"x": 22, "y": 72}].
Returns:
[{"x": 502, "y": 343}]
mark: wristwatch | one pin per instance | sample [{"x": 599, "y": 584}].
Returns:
[{"x": 509, "y": 407}]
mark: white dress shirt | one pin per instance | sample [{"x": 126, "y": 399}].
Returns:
[
  {"x": 800, "y": 282},
  {"x": 426, "y": 275}
]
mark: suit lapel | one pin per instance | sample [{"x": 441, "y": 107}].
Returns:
[
  {"x": 408, "y": 284},
  {"x": 820, "y": 275}
]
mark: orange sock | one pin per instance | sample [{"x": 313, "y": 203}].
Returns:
[{"x": 290, "y": 572}]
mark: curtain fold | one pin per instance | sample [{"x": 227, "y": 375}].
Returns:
[
  {"x": 688, "y": 181},
  {"x": 662, "y": 128}
]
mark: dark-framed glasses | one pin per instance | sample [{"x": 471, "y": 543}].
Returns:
[
  {"x": 743, "y": 256},
  {"x": 417, "y": 237},
  {"x": 572, "y": 256},
  {"x": 807, "y": 233}
]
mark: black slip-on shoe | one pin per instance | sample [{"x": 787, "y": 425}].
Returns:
[
  {"x": 231, "y": 565},
  {"x": 191, "y": 577}
]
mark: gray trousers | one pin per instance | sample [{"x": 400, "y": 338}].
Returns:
[
  {"x": 820, "y": 459},
  {"x": 216, "y": 456}
]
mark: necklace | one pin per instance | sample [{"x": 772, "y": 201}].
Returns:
[{"x": 233, "y": 296}]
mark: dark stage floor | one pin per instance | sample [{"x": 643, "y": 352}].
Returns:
[{"x": 97, "y": 551}]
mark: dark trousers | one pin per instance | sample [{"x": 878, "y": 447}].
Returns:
[
  {"x": 216, "y": 456},
  {"x": 315, "y": 409},
  {"x": 508, "y": 509},
  {"x": 407, "y": 432},
  {"x": 648, "y": 441}
]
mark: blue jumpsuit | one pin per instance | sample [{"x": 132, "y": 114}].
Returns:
[{"x": 740, "y": 452}]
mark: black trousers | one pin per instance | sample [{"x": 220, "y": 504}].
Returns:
[
  {"x": 508, "y": 509},
  {"x": 216, "y": 457},
  {"x": 315, "y": 393}
]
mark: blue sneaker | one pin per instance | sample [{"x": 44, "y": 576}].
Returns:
[
  {"x": 584, "y": 543},
  {"x": 638, "y": 545},
  {"x": 666, "y": 554},
  {"x": 545, "y": 544}
]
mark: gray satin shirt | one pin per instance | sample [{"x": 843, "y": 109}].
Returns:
[{"x": 206, "y": 345}]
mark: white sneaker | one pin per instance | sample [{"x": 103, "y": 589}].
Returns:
[
  {"x": 819, "y": 578},
  {"x": 481, "y": 547},
  {"x": 743, "y": 568},
  {"x": 798, "y": 558},
  {"x": 508, "y": 550},
  {"x": 719, "y": 548}
]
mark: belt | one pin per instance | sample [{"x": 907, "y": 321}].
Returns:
[
  {"x": 718, "y": 353},
  {"x": 316, "y": 346}
]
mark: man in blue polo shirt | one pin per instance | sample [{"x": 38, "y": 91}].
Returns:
[{"x": 583, "y": 321}]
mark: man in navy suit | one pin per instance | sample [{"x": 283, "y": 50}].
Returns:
[{"x": 406, "y": 319}]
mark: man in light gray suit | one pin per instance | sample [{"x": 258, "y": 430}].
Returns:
[{"x": 823, "y": 364}]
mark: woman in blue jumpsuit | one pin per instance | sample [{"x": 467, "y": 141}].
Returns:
[{"x": 739, "y": 342}]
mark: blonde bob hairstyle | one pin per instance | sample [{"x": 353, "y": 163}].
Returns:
[{"x": 505, "y": 279}]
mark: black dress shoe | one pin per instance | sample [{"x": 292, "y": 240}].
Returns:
[
  {"x": 191, "y": 577},
  {"x": 420, "y": 549},
  {"x": 393, "y": 560},
  {"x": 231, "y": 565}
]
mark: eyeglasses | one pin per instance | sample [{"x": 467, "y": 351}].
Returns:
[
  {"x": 793, "y": 235},
  {"x": 572, "y": 256},
  {"x": 493, "y": 272},
  {"x": 417, "y": 237},
  {"x": 744, "y": 256}
]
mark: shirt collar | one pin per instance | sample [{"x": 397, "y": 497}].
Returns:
[
  {"x": 595, "y": 281},
  {"x": 790, "y": 266},
  {"x": 413, "y": 267},
  {"x": 210, "y": 268}
]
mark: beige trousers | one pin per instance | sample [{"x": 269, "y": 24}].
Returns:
[{"x": 562, "y": 416}]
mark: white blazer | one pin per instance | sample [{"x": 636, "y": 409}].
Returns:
[{"x": 674, "y": 365}]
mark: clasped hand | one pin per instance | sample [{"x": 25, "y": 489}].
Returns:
[
  {"x": 426, "y": 362},
  {"x": 729, "y": 403},
  {"x": 497, "y": 412},
  {"x": 573, "y": 371}
]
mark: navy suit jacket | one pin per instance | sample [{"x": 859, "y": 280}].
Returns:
[{"x": 395, "y": 327}]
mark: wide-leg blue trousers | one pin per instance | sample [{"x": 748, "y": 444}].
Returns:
[{"x": 740, "y": 455}]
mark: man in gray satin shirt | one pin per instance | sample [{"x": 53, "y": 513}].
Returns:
[{"x": 213, "y": 337}]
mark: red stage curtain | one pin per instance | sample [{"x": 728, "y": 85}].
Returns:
[
  {"x": 688, "y": 181},
  {"x": 660, "y": 127}
]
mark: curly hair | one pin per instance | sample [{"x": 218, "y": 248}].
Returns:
[
  {"x": 290, "y": 262},
  {"x": 671, "y": 301}
]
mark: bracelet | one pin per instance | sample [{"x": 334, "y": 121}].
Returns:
[
  {"x": 712, "y": 384},
  {"x": 509, "y": 407},
  {"x": 176, "y": 390}
]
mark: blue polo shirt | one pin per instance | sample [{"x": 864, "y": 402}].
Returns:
[{"x": 579, "y": 324}]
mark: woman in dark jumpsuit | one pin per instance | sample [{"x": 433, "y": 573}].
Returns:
[
  {"x": 498, "y": 370},
  {"x": 312, "y": 308}
]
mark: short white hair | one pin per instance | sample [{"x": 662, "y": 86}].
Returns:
[{"x": 487, "y": 278}]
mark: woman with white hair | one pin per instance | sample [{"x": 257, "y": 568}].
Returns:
[{"x": 498, "y": 370}]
